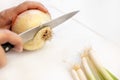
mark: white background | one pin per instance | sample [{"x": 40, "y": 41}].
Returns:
[{"x": 97, "y": 25}]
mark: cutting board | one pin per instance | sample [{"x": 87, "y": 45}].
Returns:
[{"x": 55, "y": 59}]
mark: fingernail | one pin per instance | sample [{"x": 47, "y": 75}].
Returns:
[
  {"x": 44, "y": 9},
  {"x": 20, "y": 49}
]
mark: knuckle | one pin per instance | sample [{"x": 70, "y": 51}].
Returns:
[
  {"x": 27, "y": 2},
  {"x": 3, "y": 36},
  {"x": 6, "y": 34}
]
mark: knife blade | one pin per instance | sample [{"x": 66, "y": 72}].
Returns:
[{"x": 29, "y": 34}]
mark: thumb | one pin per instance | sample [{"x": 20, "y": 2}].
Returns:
[
  {"x": 3, "y": 59},
  {"x": 11, "y": 37},
  {"x": 8, "y": 36}
]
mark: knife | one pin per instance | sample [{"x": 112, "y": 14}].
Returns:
[{"x": 29, "y": 34}]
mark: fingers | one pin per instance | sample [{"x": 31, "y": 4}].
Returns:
[
  {"x": 13, "y": 38},
  {"x": 8, "y": 36},
  {"x": 6, "y": 18},
  {"x": 30, "y": 5},
  {"x": 3, "y": 59}
]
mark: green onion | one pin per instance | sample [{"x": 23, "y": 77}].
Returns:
[
  {"x": 115, "y": 78},
  {"x": 80, "y": 72},
  {"x": 91, "y": 68},
  {"x": 75, "y": 75},
  {"x": 101, "y": 71},
  {"x": 87, "y": 69}
]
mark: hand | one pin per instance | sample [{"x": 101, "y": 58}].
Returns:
[
  {"x": 8, "y": 36},
  {"x": 7, "y": 18}
]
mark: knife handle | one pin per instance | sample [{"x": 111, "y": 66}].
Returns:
[{"x": 7, "y": 46}]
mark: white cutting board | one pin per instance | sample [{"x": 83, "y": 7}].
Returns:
[
  {"x": 102, "y": 16},
  {"x": 53, "y": 61}
]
